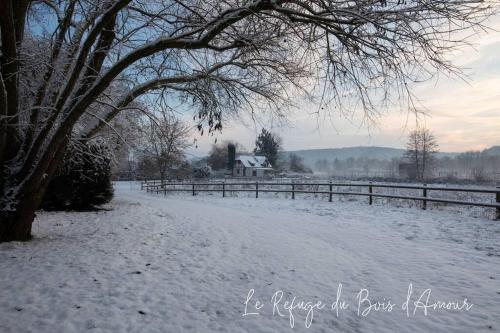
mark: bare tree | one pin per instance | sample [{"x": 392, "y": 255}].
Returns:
[
  {"x": 218, "y": 157},
  {"x": 165, "y": 141},
  {"x": 217, "y": 57},
  {"x": 420, "y": 152}
]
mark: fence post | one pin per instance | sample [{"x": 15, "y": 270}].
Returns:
[
  {"x": 293, "y": 190},
  {"x": 498, "y": 202},
  {"x": 223, "y": 189},
  {"x": 193, "y": 190},
  {"x": 370, "y": 190},
  {"x": 142, "y": 186},
  {"x": 330, "y": 190},
  {"x": 424, "y": 194},
  {"x": 256, "y": 189}
]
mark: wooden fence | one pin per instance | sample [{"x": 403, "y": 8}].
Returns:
[{"x": 328, "y": 189}]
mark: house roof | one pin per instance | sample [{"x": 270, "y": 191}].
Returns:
[{"x": 250, "y": 161}]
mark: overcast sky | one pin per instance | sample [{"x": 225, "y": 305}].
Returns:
[{"x": 463, "y": 115}]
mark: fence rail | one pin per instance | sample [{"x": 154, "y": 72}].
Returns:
[{"x": 294, "y": 188}]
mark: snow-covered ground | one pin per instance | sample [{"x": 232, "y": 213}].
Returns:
[{"x": 178, "y": 263}]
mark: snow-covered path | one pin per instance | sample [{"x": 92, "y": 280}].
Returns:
[{"x": 187, "y": 264}]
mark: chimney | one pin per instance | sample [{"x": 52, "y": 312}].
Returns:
[{"x": 231, "y": 156}]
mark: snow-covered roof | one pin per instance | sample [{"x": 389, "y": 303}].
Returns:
[{"x": 250, "y": 161}]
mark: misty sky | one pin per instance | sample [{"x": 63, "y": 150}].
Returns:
[{"x": 463, "y": 115}]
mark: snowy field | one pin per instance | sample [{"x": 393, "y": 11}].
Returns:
[{"x": 178, "y": 263}]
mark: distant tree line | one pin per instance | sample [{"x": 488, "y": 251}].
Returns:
[
  {"x": 480, "y": 166},
  {"x": 359, "y": 165}
]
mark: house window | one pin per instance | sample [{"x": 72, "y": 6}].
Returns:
[
  {"x": 254, "y": 173},
  {"x": 237, "y": 171}
]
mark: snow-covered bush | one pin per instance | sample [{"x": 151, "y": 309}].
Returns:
[{"x": 83, "y": 181}]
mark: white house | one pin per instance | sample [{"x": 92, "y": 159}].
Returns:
[{"x": 251, "y": 166}]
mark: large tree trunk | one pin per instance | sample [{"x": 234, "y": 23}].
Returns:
[{"x": 16, "y": 224}]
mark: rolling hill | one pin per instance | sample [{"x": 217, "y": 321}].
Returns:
[{"x": 310, "y": 156}]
